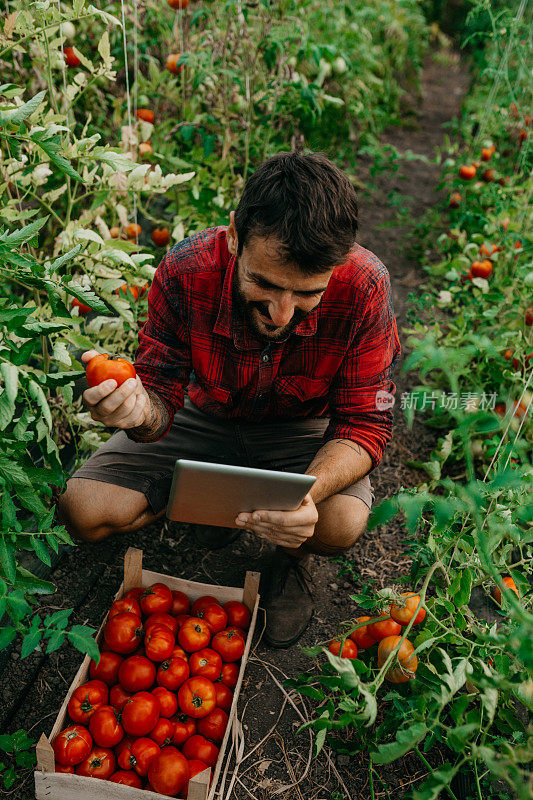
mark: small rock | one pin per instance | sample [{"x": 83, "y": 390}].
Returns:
[{"x": 333, "y": 586}]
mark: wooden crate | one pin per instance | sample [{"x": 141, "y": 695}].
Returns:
[{"x": 52, "y": 785}]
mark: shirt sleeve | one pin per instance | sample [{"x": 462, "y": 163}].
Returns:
[
  {"x": 359, "y": 410},
  {"x": 163, "y": 358}
]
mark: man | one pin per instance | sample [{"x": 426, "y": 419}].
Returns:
[{"x": 283, "y": 320}]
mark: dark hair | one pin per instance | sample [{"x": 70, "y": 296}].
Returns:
[{"x": 305, "y": 202}]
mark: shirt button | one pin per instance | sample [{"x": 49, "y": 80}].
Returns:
[{"x": 265, "y": 358}]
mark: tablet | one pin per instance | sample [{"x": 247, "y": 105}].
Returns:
[{"x": 215, "y": 494}]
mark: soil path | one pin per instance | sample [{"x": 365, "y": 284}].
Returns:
[{"x": 88, "y": 576}]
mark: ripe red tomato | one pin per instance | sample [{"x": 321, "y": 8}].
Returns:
[
  {"x": 82, "y": 308},
  {"x": 180, "y": 603},
  {"x": 133, "y": 230},
  {"x": 160, "y": 237},
  {"x": 202, "y": 749},
  {"x": 380, "y": 630},
  {"x": 207, "y": 663},
  {"x": 123, "y": 633},
  {"x": 194, "y": 635},
  {"x": 118, "y": 697},
  {"x": 156, "y": 599},
  {"x": 195, "y": 768},
  {"x": 172, "y": 63},
  {"x": 107, "y": 668},
  {"x": 202, "y": 602},
  {"x": 349, "y": 649},
  {"x": 168, "y": 702},
  {"x": 455, "y": 200},
  {"x": 65, "y": 770},
  {"x": 230, "y": 675},
  {"x": 178, "y": 3},
  {"x": 229, "y": 644},
  {"x": 129, "y": 604},
  {"x": 71, "y": 59},
  {"x": 105, "y": 727},
  {"x": 197, "y": 697},
  {"x": 134, "y": 593},
  {"x": 145, "y": 114},
  {"x": 102, "y": 368},
  {"x": 72, "y": 745},
  {"x": 235, "y": 629},
  {"x": 224, "y": 696},
  {"x": 214, "y": 616},
  {"x": 467, "y": 172},
  {"x": 127, "y": 778},
  {"x": 140, "y": 714},
  {"x": 509, "y": 582},
  {"x": 137, "y": 673},
  {"x": 163, "y": 733},
  {"x": 181, "y": 618},
  {"x": 361, "y": 636},
  {"x": 402, "y": 614},
  {"x": 86, "y": 699},
  {"x": 172, "y": 673},
  {"x": 100, "y": 763},
  {"x": 179, "y": 652},
  {"x": 184, "y": 728},
  {"x": 488, "y": 175},
  {"x": 159, "y": 643},
  {"x": 143, "y": 752},
  {"x": 486, "y": 153},
  {"x": 238, "y": 614},
  {"x": 214, "y": 725},
  {"x": 529, "y": 316},
  {"x": 168, "y": 772},
  {"x": 405, "y": 663},
  {"x": 162, "y": 619}
]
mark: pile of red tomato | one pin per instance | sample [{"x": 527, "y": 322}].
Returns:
[
  {"x": 156, "y": 708},
  {"x": 388, "y": 633}
]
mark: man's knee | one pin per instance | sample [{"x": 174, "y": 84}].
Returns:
[{"x": 342, "y": 519}]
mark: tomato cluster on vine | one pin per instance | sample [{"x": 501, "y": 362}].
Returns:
[{"x": 156, "y": 708}]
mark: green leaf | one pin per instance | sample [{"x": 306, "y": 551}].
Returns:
[
  {"x": 58, "y": 619},
  {"x": 405, "y": 740},
  {"x": 7, "y": 743},
  {"x": 30, "y": 642},
  {"x": 9, "y": 777},
  {"x": 459, "y": 736},
  {"x": 55, "y": 641},
  {"x": 462, "y": 596},
  {"x": 7, "y": 634},
  {"x": 84, "y": 295},
  {"x": 16, "y": 238},
  {"x": 51, "y": 144},
  {"x": 17, "y": 605},
  {"x": 7, "y": 558},
  {"x": 383, "y": 513},
  {"x": 14, "y": 116},
  {"x": 82, "y": 639},
  {"x": 31, "y": 584},
  {"x": 41, "y": 550},
  {"x": 412, "y": 506},
  {"x": 436, "y": 783}
]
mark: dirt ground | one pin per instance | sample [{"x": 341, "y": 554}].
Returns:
[{"x": 89, "y": 575}]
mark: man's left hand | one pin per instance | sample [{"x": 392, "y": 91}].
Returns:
[{"x": 284, "y": 528}]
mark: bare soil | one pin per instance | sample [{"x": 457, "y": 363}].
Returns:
[{"x": 88, "y": 576}]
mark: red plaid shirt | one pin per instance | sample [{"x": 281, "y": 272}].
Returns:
[{"x": 332, "y": 364}]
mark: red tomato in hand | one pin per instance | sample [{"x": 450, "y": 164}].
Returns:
[
  {"x": 127, "y": 604},
  {"x": 380, "y": 630},
  {"x": 238, "y": 614},
  {"x": 194, "y": 635},
  {"x": 230, "y": 675},
  {"x": 229, "y": 644},
  {"x": 168, "y": 702},
  {"x": 136, "y": 673},
  {"x": 72, "y": 745},
  {"x": 100, "y": 763},
  {"x": 403, "y": 613},
  {"x": 163, "y": 733},
  {"x": 214, "y": 616},
  {"x": 214, "y": 725},
  {"x": 140, "y": 714},
  {"x": 202, "y": 602},
  {"x": 86, "y": 699},
  {"x": 168, "y": 772},
  {"x": 197, "y": 697},
  {"x": 156, "y": 599},
  {"x": 224, "y": 696},
  {"x": 162, "y": 619},
  {"x": 361, "y": 636},
  {"x": 207, "y": 663},
  {"x": 202, "y": 749},
  {"x": 180, "y": 603},
  {"x": 101, "y": 368},
  {"x": 118, "y": 697},
  {"x": 107, "y": 668},
  {"x": 159, "y": 643},
  {"x": 172, "y": 673},
  {"x": 128, "y": 778},
  {"x": 105, "y": 727},
  {"x": 184, "y": 728},
  {"x": 349, "y": 648},
  {"x": 123, "y": 632}
]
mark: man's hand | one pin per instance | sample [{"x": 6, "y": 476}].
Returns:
[
  {"x": 126, "y": 407},
  {"x": 285, "y": 528}
]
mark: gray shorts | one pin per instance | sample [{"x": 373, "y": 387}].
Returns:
[{"x": 288, "y": 445}]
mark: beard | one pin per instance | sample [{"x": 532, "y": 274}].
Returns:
[{"x": 245, "y": 309}]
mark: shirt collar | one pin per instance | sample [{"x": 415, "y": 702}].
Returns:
[{"x": 233, "y": 325}]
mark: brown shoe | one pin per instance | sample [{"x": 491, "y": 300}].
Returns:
[
  {"x": 288, "y": 599},
  {"x": 214, "y": 538}
]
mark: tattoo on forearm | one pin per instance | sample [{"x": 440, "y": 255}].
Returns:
[
  {"x": 351, "y": 445},
  {"x": 155, "y": 426}
]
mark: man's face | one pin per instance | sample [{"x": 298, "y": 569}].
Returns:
[{"x": 273, "y": 298}]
